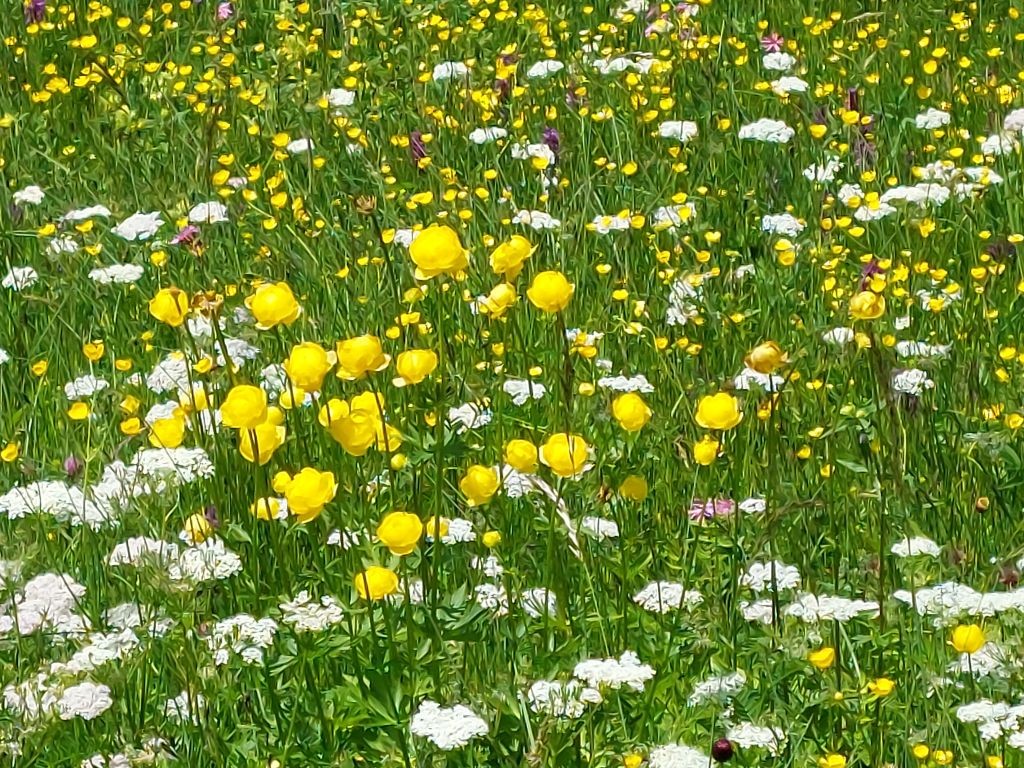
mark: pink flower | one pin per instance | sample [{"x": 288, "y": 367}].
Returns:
[
  {"x": 702, "y": 510},
  {"x": 772, "y": 43},
  {"x": 225, "y": 11}
]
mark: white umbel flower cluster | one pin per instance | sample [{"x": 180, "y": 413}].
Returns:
[
  {"x": 625, "y": 671},
  {"x": 447, "y": 728}
]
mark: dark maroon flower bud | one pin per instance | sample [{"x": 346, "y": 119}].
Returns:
[
  {"x": 1009, "y": 576},
  {"x": 503, "y": 88},
  {"x": 73, "y": 465},
  {"x": 210, "y": 513},
  {"x": 552, "y": 139},
  {"x": 417, "y": 148},
  {"x": 852, "y": 100},
  {"x": 35, "y": 10},
  {"x": 721, "y": 751}
]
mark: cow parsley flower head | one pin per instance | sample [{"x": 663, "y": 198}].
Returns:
[{"x": 447, "y": 728}]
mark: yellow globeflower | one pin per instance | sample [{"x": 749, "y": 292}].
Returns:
[
  {"x": 766, "y": 357},
  {"x": 198, "y": 528},
  {"x": 550, "y": 291},
  {"x": 967, "y": 638},
  {"x": 502, "y": 297},
  {"x": 355, "y": 429},
  {"x": 867, "y": 305},
  {"x": 306, "y": 366},
  {"x": 705, "y": 451},
  {"x": 308, "y": 492},
  {"x": 245, "y": 407},
  {"x": 823, "y": 658},
  {"x": 566, "y": 455},
  {"x": 376, "y": 583},
  {"x": 479, "y": 484},
  {"x": 359, "y": 356},
  {"x": 633, "y": 488},
  {"x": 259, "y": 443},
  {"x": 508, "y": 258},
  {"x": 720, "y": 411},
  {"x": 400, "y": 532},
  {"x": 414, "y": 365},
  {"x": 437, "y": 250},
  {"x": 521, "y": 455},
  {"x": 170, "y": 306},
  {"x": 167, "y": 433},
  {"x": 273, "y": 304},
  {"x": 631, "y": 412}
]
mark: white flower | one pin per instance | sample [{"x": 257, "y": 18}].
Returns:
[
  {"x": 544, "y": 69},
  {"x": 747, "y": 735},
  {"x": 666, "y": 596},
  {"x": 722, "y": 687},
  {"x": 487, "y": 135},
  {"x": 102, "y": 649},
  {"x": 561, "y": 699},
  {"x": 124, "y": 274},
  {"x": 65, "y": 503},
  {"x": 537, "y": 220},
  {"x": 599, "y": 528},
  {"x": 533, "y": 152},
  {"x": 140, "y": 549},
  {"x": 789, "y": 84},
  {"x": 638, "y": 383},
  {"x": 838, "y": 336},
  {"x": 299, "y": 146},
  {"x": 1014, "y": 121},
  {"x": 84, "y": 386},
  {"x": 671, "y": 217},
  {"x": 344, "y": 539},
  {"x": 185, "y": 707},
  {"x": 460, "y": 531},
  {"x": 47, "y": 602},
  {"x": 83, "y": 214},
  {"x": 468, "y": 416},
  {"x": 767, "y": 130},
  {"x": 814, "y": 608},
  {"x": 238, "y": 350},
  {"x": 824, "y": 173},
  {"x": 627, "y": 670},
  {"x": 848, "y": 192},
  {"x": 915, "y": 546},
  {"x": 242, "y": 636},
  {"x": 20, "y": 278},
  {"x": 778, "y": 62},
  {"x": 63, "y": 245},
  {"x": 759, "y": 611},
  {"x": 139, "y": 226},
  {"x": 447, "y": 728},
  {"x": 677, "y": 756},
  {"x": 680, "y": 130},
  {"x": 990, "y": 660},
  {"x": 604, "y": 223},
  {"x": 85, "y": 700},
  {"x": 761, "y": 577},
  {"x": 522, "y": 390},
  {"x": 911, "y": 382},
  {"x": 785, "y": 224},
  {"x": 766, "y": 381},
  {"x": 492, "y": 597},
  {"x": 31, "y": 195},
  {"x": 999, "y": 144},
  {"x": 446, "y": 70},
  {"x": 683, "y": 301},
  {"x": 931, "y": 118},
  {"x": 207, "y": 561},
  {"x": 755, "y": 505},
  {"x": 539, "y": 602},
  {"x": 921, "y": 349},
  {"x": 874, "y": 212},
  {"x": 208, "y": 213},
  {"x": 338, "y": 98},
  {"x": 307, "y": 615}
]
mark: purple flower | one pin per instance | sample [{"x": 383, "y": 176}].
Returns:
[
  {"x": 417, "y": 148},
  {"x": 73, "y": 465},
  {"x": 868, "y": 271},
  {"x": 772, "y": 43},
  {"x": 225, "y": 11},
  {"x": 552, "y": 139},
  {"x": 702, "y": 510},
  {"x": 210, "y": 513},
  {"x": 187, "y": 236},
  {"x": 35, "y": 10}
]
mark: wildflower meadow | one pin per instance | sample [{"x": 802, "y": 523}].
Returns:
[{"x": 507, "y": 383}]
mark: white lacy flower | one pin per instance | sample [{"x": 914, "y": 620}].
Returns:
[
  {"x": 915, "y": 546},
  {"x": 84, "y": 386},
  {"x": 123, "y": 274},
  {"x": 746, "y": 735},
  {"x": 20, "y": 278},
  {"x": 170, "y": 374},
  {"x": 722, "y": 687},
  {"x": 680, "y": 130},
  {"x": 208, "y": 213},
  {"x": 666, "y": 596},
  {"x": 1014, "y": 121},
  {"x": 522, "y": 390},
  {"x": 103, "y": 648},
  {"x": 185, "y": 707},
  {"x": 767, "y": 130},
  {"x": 670, "y": 217},
  {"x": 605, "y": 223},
  {"x": 627, "y": 670},
  {"x": 47, "y": 602},
  {"x": 468, "y": 416},
  {"x": 460, "y": 531},
  {"x": 814, "y": 608},
  {"x": 677, "y": 756},
  {"x": 638, "y": 383},
  {"x": 789, "y": 84},
  {"x": 544, "y": 69},
  {"x": 824, "y": 173},
  {"x": 139, "y": 226},
  {"x": 536, "y": 151},
  {"x": 778, "y": 62},
  {"x": 64, "y": 502},
  {"x": 767, "y": 381},
  {"x": 62, "y": 245},
  {"x": 487, "y": 135},
  {"x": 754, "y": 505},
  {"x": 83, "y": 214},
  {"x": 493, "y": 597},
  {"x": 562, "y": 699},
  {"x": 242, "y": 636},
  {"x": 999, "y": 144},
  {"x": 920, "y": 195},
  {"x": 599, "y": 528},
  {"x": 921, "y": 349},
  {"x": 31, "y": 195},
  {"x": 838, "y": 336},
  {"x": 449, "y": 69},
  {"x": 141, "y": 549},
  {"x": 911, "y": 382},
  {"x": 931, "y": 118},
  {"x": 874, "y": 212},
  {"x": 785, "y": 224},
  {"x": 538, "y": 602},
  {"x": 761, "y": 577},
  {"x": 307, "y": 615},
  {"x": 447, "y": 728},
  {"x": 207, "y": 561},
  {"x": 85, "y": 700},
  {"x": 299, "y": 146},
  {"x": 337, "y": 98},
  {"x": 537, "y": 220},
  {"x": 683, "y": 301}
]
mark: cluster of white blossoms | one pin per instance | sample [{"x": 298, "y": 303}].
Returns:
[
  {"x": 666, "y": 596},
  {"x": 566, "y": 699},
  {"x": 242, "y": 636},
  {"x": 763, "y": 577},
  {"x": 447, "y": 728},
  {"x": 305, "y": 614},
  {"x": 626, "y": 671}
]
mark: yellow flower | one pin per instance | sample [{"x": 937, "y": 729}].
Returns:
[
  {"x": 306, "y": 366},
  {"x": 921, "y": 751},
  {"x": 198, "y": 528},
  {"x": 414, "y": 365},
  {"x": 502, "y": 297},
  {"x": 633, "y": 488},
  {"x": 273, "y": 304},
  {"x": 131, "y": 427},
  {"x": 967, "y": 638},
  {"x": 508, "y": 258},
  {"x": 376, "y": 583},
  {"x": 354, "y": 428},
  {"x": 400, "y": 532},
  {"x": 245, "y": 407},
  {"x": 266, "y": 508},
  {"x": 632, "y": 760},
  {"x": 40, "y": 367},
  {"x": 79, "y": 411},
  {"x": 719, "y": 411},
  {"x": 881, "y": 687},
  {"x": 942, "y": 756},
  {"x": 566, "y": 455},
  {"x": 167, "y": 433},
  {"x": 705, "y": 451},
  {"x": 359, "y": 356},
  {"x": 170, "y": 306},
  {"x": 521, "y": 455},
  {"x": 436, "y": 527},
  {"x": 832, "y": 760},
  {"x": 93, "y": 351},
  {"x": 437, "y": 250},
  {"x": 823, "y": 658},
  {"x": 631, "y": 411},
  {"x": 550, "y": 291},
  {"x": 479, "y": 484},
  {"x": 867, "y": 305},
  {"x": 259, "y": 443},
  {"x": 308, "y": 492},
  {"x": 10, "y": 452},
  {"x": 766, "y": 357},
  {"x": 491, "y": 539}
]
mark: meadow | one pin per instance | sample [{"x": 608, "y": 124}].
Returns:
[{"x": 497, "y": 383}]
